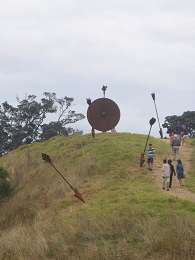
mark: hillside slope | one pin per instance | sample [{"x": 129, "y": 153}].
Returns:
[
  {"x": 126, "y": 216},
  {"x": 185, "y": 154}
]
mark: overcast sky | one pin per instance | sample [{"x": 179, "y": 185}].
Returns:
[{"x": 72, "y": 48}]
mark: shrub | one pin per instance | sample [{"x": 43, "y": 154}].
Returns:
[{"x": 5, "y": 187}]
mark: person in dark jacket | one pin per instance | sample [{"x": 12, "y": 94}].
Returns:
[
  {"x": 178, "y": 130},
  {"x": 175, "y": 147},
  {"x": 172, "y": 172},
  {"x": 180, "y": 172}
]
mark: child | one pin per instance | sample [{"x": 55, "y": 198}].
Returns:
[
  {"x": 166, "y": 171},
  {"x": 150, "y": 157},
  {"x": 180, "y": 172},
  {"x": 172, "y": 172}
]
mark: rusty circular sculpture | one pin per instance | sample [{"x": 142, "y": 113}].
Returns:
[{"x": 103, "y": 114}]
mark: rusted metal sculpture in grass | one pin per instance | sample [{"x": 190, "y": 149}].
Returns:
[
  {"x": 142, "y": 160},
  {"x": 160, "y": 128},
  {"x": 47, "y": 158},
  {"x": 103, "y": 114}
]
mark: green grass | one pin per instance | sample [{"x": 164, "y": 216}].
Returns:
[
  {"x": 125, "y": 216},
  {"x": 190, "y": 181}
]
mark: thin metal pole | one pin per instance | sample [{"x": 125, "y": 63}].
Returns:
[
  {"x": 160, "y": 129},
  {"x": 104, "y": 90},
  {"x": 157, "y": 114},
  {"x": 47, "y": 158},
  {"x": 147, "y": 140},
  {"x": 152, "y": 121},
  {"x": 62, "y": 177},
  {"x": 92, "y": 130}
]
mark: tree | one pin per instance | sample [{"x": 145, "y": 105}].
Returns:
[
  {"x": 187, "y": 119},
  {"x": 21, "y": 124},
  {"x": 25, "y": 123},
  {"x": 5, "y": 187},
  {"x": 65, "y": 117}
]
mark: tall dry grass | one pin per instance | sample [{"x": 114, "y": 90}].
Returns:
[
  {"x": 125, "y": 215},
  {"x": 131, "y": 236}
]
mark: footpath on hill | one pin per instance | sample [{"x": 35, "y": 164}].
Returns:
[{"x": 176, "y": 190}]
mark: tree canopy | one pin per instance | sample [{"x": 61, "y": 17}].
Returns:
[
  {"x": 25, "y": 123},
  {"x": 187, "y": 119}
]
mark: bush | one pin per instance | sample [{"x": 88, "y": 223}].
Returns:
[{"x": 5, "y": 187}]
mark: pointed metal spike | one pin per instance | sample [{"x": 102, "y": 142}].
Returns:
[
  {"x": 78, "y": 195},
  {"x": 142, "y": 160}
]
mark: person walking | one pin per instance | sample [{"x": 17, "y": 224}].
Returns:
[
  {"x": 150, "y": 157},
  {"x": 178, "y": 130},
  {"x": 172, "y": 172},
  {"x": 171, "y": 139},
  {"x": 175, "y": 147},
  {"x": 166, "y": 171},
  {"x": 180, "y": 172},
  {"x": 185, "y": 136}
]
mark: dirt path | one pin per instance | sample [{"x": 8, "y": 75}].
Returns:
[{"x": 183, "y": 193}]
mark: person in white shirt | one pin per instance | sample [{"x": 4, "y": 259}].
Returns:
[{"x": 166, "y": 171}]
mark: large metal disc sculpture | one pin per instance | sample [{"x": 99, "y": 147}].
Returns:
[
  {"x": 103, "y": 114},
  {"x": 142, "y": 160}
]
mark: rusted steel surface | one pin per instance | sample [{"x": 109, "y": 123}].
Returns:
[
  {"x": 142, "y": 160},
  {"x": 47, "y": 158},
  {"x": 78, "y": 195},
  {"x": 151, "y": 122},
  {"x": 103, "y": 114},
  {"x": 160, "y": 131}
]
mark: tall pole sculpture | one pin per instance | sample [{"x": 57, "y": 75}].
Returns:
[
  {"x": 47, "y": 158},
  {"x": 92, "y": 129},
  {"x": 104, "y": 90},
  {"x": 142, "y": 160},
  {"x": 160, "y": 129}
]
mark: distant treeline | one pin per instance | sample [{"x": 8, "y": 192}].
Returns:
[
  {"x": 187, "y": 119},
  {"x": 25, "y": 122}
]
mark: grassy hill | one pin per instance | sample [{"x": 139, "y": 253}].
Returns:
[{"x": 125, "y": 215}]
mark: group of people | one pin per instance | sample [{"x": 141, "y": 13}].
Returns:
[
  {"x": 182, "y": 134},
  {"x": 168, "y": 169},
  {"x": 167, "y": 173},
  {"x": 176, "y": 140}
]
